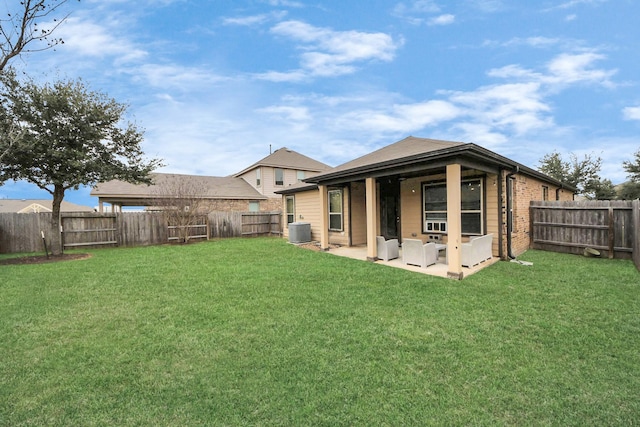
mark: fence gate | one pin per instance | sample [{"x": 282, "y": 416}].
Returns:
[
  {"x": 193, "y": 228},
  {"x": 89, "y": 230}
]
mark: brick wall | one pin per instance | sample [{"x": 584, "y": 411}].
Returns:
[
  {"x": 526, "y": 189},
  {"x": 232, "y": 205}
]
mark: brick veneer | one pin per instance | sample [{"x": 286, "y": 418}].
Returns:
[{"x": 526, "y": 189}]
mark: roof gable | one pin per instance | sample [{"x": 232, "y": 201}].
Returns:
[
  {"x": 39, "y": 205},
  {"x": 408, "y": 147},
  {"x": 288, "y": 159}
]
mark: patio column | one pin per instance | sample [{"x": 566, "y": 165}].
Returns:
[
  {"x": 100, "y": 206},
  {"x": 454, "y": 221},
  {"x": 372, "y": 218},
  {"x": 324, "y": 218}
]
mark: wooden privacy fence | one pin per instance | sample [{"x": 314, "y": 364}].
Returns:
[
  {"x": 22, "y": 232},
  {"x": 611, "y": 227}
]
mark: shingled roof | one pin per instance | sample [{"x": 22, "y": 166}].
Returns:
[
  {"x": 415, "y": 153},
  {"x": 288, "y": 159},
  {"x": 213, "y": 187}
]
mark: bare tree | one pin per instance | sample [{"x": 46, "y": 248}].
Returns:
[
  {"x": 180, "y": 198},
  {"x": 22, "y": 24}
]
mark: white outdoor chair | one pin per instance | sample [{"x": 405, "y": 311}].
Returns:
[
  {"x": 387, "y": 249},
  {"x": 415, "y": 253}
]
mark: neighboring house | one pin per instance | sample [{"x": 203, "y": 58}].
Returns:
[
  {"x": 252, "y": 189},
  {"x": 427, "y": 189},
  {"x": 36, "y": 206}
]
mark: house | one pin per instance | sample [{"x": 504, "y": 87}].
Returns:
[
  {"x": 38, "y": 205},
  {"x": 252, "y": 189},
  {"x": 426, "y": 189}
]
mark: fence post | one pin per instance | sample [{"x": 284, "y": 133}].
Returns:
[
  {"x": 635, "y": 206},
  {"x": 611, "y": 232}
]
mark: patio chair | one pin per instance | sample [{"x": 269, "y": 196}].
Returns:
[
  {"x": 387, "y": 249},
  {"x": 477, "y": 250},
  {"x": 415, "y": 253}
]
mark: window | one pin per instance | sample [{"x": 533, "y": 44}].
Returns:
[
  {"x": 258, "y": 177},
  {"x": 335, "y": 210},
  {"x": 300, "y": 175},
  {"x": 435, "y": 207},
  {"x": 254, "y": 206},
  {"x": 290, "y": 202},
  {"x": 279, "y": 176},
  {"x": 545, "y": 192}
]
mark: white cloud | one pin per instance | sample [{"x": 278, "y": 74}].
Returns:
[
  {"x": 420, "y": 6},
  {"x": 400, "y": 117},
  {"x": 175, "y": 76},
  {"x": 88, "y": 38},
  {"x": 446, "y": 19},
  {"x": 284, "y": 3},
  {"x": 562, "y": 70},
  {"x": 253, "y": 20},
  {"x": 327, "y": 53},
  {"x": 631, "y": 113}
]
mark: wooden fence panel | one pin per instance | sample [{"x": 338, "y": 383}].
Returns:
[
  {"x": 142, "y": 228},
  {"x": 225, "y": 224},
  {"x": 88, "y": 230},
  {"x": 260, "y": 223},
  {"x": 570, "y": 227},
  {"x": 22, "y": 232}
]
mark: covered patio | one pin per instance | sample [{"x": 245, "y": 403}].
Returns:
[{"x": 439, "y": 269}]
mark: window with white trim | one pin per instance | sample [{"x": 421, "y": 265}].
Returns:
[
  {"x": 290, "y": 202},
  {"x": 258, "y": 177},
  {"x": 299, "y": 175},
  {"x": 335, "y": 210},
  {"x": 279, "y": 174},
  {"x": 434, "y": 213}
]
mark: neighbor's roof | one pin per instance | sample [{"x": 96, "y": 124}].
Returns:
[
  {"x": 288, "y": 159},
  {"x": 414, "y": 153},
  {"x": 212, "y": 187},
  {"x": 39, "y": 205}
]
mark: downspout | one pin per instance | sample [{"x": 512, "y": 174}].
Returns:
[
  {"x": 500, "y": 223},
  {"x": 510, "y": 211}
]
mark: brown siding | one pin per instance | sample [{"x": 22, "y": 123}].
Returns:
[
  {"x": 410, "y": 208},
  {"x": 492, "y": 212},
  {"x": 307, "y": 209},
  {"x": 358, "y": 214}
]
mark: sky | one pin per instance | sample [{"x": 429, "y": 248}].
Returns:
[{"x": 217, "y": 84}]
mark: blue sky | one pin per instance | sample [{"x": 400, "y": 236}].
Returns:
[{"x": 216, "y": 83}]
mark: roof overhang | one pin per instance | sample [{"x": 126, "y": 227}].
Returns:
[{"x": 469, "y": 156}]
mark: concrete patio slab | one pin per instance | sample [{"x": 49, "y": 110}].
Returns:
[{"x": 439, "y": 269}]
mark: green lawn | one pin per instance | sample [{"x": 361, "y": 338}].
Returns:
[{"x": 259, "y": 332}]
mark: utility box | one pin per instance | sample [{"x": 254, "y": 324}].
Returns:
[{"x": 299, "y": 232}]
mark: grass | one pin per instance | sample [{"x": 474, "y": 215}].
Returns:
[{"x": 259, "y": 332}]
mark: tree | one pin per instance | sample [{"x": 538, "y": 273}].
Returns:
[
  {"x": 21, "y": 26},
  {"x": 66, "y": 137},
  {"x": 180, "y": 197},
  {"x": 630, "y": 190},
  {"x": 580, "y": 174},
  {"x": 603, "y": 189},
  {"x": 633, "y": 168}
]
